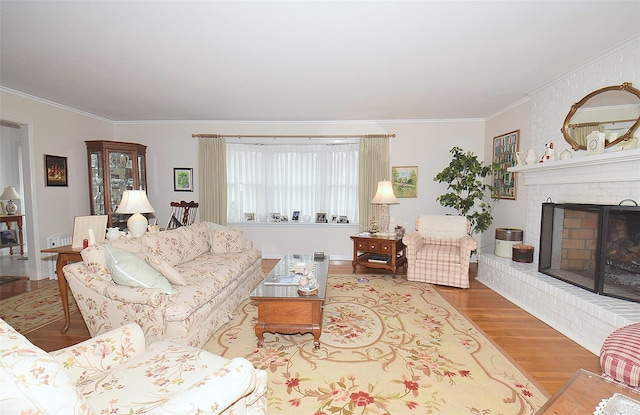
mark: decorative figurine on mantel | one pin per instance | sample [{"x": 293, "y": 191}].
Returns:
[{"x": 549, "y": 153}]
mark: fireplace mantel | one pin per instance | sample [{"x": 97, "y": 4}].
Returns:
[{"x": 597, "y": 168}]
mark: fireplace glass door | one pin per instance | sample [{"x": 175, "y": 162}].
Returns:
[{"x": 596, "y": 247}]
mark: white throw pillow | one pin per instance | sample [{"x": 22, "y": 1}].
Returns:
[
  {"x": 164, "y": 268},
  {"x": 442, "y": 226},
  {"x": 133, "y": 271}
]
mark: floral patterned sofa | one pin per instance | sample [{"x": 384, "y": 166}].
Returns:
[
  {"x": 114, "y": 373},
  {"x": 179, "y": 285}
]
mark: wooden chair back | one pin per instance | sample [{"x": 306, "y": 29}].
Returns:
[{"x": 182, "y": 214}]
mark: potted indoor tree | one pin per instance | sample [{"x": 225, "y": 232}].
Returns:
[{"x": 467, "y": 191}]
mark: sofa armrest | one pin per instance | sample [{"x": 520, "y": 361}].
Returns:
[
  {"x": 414, "y": 242},
  {"x": 101, "y": 283},
  {"x": 92, "y": 357},
  {"x": 135, "y": 295},
  {"x": 236, "y": 380}
]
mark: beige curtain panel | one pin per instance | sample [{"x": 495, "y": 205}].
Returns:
[
  {"x": 212, "y": 176},
  {"x": 374, "y": 166}
]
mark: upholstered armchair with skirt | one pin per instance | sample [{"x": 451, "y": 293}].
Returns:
[
  {"x": 438, "y": 252},
  {"x": 116, "y": 373}
]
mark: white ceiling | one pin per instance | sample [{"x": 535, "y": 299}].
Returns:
[{"x": 300, "y": 60}]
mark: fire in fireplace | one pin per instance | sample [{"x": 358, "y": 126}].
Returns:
[{"x": 596, "y": 247}]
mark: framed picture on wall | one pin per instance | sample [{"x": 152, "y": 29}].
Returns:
[
  {"x": 55, "y": 170},
  {"x": 182, "y": 179},
  {"x": 505, "y": 147},
  {"x": 405, "y": 181}
]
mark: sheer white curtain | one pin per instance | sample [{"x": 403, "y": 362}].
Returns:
[{"x": 283, "y": 178}]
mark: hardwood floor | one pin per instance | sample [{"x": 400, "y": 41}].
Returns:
[{"x": 548, "y": 356}]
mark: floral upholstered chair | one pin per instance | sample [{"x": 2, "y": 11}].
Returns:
[
  {"x": 439, "y": 251},
  {"x": 114, "y": 373}
]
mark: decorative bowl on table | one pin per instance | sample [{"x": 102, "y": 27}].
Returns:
[{"x": 618, "y": 404}]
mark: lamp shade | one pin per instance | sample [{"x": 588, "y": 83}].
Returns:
[
  {"x": 384, "y": 194},
  {"x": 134, "y": 201},
  {"x": 10, "y": 194}
]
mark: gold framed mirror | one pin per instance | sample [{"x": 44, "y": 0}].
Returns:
[{"x": 612, "y": 110}]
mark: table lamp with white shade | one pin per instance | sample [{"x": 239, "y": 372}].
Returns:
[
  {"x": 10, "y": 194},
  {"x": 135, "y": 202},
  {"x": 384, "y": 196}
]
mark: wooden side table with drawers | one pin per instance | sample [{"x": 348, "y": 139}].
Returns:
[{"x": 379, "y": 251}]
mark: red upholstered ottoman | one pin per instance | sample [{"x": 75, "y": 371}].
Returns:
[{"x": 620, "y": 356}]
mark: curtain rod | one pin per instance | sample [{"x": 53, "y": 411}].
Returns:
[{"x": 293, "y": 136}]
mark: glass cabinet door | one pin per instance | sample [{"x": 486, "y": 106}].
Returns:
[
  {"x": 97, "y": 183},
  {"x": 113, "y": 168},
  {"x": 121, "y": 178}
]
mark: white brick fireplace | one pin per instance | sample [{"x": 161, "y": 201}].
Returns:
[{"x": 585, "y": 317}]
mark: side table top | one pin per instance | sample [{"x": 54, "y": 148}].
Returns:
[
  {"x": 387, "y": 236},
  {"x": 582, "y": 394},
  {"x": 64, "y": 249}
]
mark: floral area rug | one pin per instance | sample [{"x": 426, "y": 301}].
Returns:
[
  {"x": 388, "y": 346},
  {"x": 32, "y": 310}
]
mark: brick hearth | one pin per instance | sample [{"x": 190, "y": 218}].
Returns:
[{"x": 581, "y": 315}]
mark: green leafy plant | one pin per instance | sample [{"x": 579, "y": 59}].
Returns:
[{"x": 464, "y": 177}]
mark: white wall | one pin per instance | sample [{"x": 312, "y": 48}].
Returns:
[
  {"x": 425, "y": 144},
  {"x": 53, "y": 130},
  {"x": 9, "y": 150},
  {"x": 507, "y": 213}
]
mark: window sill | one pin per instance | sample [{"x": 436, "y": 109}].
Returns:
[{"x": 293, "y": 224}]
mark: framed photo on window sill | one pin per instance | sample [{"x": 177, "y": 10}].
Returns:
[{"x": 274, "y": 217}]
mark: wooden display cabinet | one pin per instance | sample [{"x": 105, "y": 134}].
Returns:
[{"x": 114, "y": 167}]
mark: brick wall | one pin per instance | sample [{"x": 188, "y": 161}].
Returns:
[
  {"x": 585, "y": 317},
  {"x": 579, "y": 241}
]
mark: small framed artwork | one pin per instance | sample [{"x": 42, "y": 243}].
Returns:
[
  {"x": 249, "y": 217},
  {"x": 55, "y": 168},
  {"x": 505, "y": 147},
  {"x": 182, "y": 179},
  {"x": 334, "y": 219},
  {"x": 284, "y": 218},
  {"x": 274, "y": 217},
  {"x": 405, "y": 181},
  {"x": 8, "y": 237},
  {"x": 321, "y": 217},
  {"x": 343, "y": 219},
  {"x": 296, "y": 216}
]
